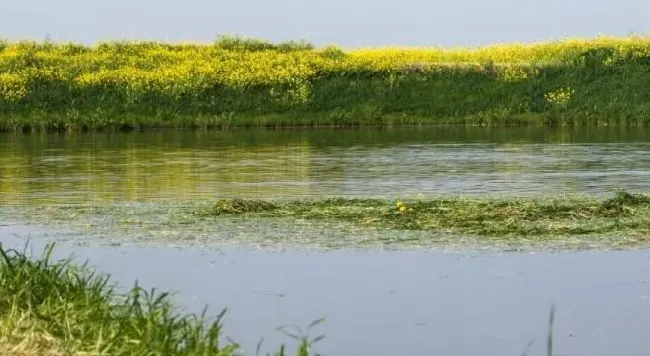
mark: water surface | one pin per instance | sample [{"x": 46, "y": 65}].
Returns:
[
  {"x": 397, "y": 302},
  {"x": 98, "y": 169},
  {"x": 124, "y": 201}
]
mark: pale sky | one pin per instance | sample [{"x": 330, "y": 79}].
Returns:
[{"x": 349, "y": 23}]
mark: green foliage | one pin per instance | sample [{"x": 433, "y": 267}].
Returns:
[
  {"x": 238, "y": 43},
  {"x": 241, "y": 206},
  {"x": 81, "y": 313},
  {"x": 333, "y": 52},
  {"x": 498, "y": 218},
  {"x": 248, "y": 82}
]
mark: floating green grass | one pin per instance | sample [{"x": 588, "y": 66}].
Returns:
[
  {"x": 241, "y": 206},
  {"x": 52, "y": 308},
  {"x": 625, "y": 212}
]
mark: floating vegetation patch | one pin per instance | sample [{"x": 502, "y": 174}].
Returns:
[
  {"x": 482, "y": 217},
  {"x": 241, "y": 206},
  {"x": 490, "y": 223}
]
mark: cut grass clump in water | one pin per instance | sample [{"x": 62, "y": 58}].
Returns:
[
  {"x": 57, "y": 308},
  {"x": 241, "y": 206},
  {"x": 536, "y": 217},
  {"x": 622, "y": 203}
]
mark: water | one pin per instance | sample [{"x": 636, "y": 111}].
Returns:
[
  {"x": 401, "y": 302},
  {"x": 99, "y": 169},
  {"x": 377, "y": 302}
]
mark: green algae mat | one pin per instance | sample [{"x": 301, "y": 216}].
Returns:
[
  {"x": 510, "y": 218},
  {"x": 621, "y": 221}
]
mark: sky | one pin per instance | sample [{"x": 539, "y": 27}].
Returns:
[{"x": 348, "y": 23}]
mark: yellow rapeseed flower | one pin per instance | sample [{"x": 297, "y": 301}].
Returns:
[{"x": 175, "y": 70}]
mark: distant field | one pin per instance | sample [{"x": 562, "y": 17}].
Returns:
[{"x": 245, "y": 82}]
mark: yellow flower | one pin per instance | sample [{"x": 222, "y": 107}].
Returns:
[
  {"x": 560, "y": 97},
  {"x": 402, "y": 208}
]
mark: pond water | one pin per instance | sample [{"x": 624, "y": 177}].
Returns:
[
  {"x": 377, "y": 302},
  {"x": 397, "y": 302},
  {"x": 87, "y": 169}
]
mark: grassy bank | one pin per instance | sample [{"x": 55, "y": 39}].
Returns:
[
  {"x": 490, "y": 218},
  {"x": 235, "y": 82},
  {"x": 53, "y": 308}
]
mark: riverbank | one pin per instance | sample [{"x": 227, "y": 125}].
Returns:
[
  {"x": 58, "y": 308},
  {"x": 235, "y": 82}
]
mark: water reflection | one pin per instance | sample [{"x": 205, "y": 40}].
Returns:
[{"x": 160, "y": 166}]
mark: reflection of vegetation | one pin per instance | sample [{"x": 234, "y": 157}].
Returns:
[
  {"x": 201, "y": 165},
  {"x": 623, "y": 213},
  {"x": 323, "y": 138},
  {"x": 56, "y": 308},
  {"x": 134, "y": 173},
  {"x": 239, "y": 82}
]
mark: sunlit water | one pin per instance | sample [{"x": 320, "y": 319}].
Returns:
[
  {"x": 96, "y": 169},
  {"x": 376, "y": 302}
]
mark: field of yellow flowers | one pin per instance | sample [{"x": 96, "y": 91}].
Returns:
[{"x": 251, "y": 82}]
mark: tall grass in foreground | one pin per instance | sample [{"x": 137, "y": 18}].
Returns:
[
  {"x": 56, "y": 308},
  {"x": 245, "y": 82},
  {"x": 624, "y": 212}
]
